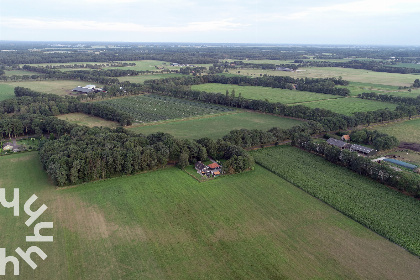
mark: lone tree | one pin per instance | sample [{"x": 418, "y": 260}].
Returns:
[{"x": 416, "y": 83}]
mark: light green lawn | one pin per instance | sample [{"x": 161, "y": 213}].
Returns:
[
  {"x": 284, "y": 96},
  {"x": 217, "y": 126}
]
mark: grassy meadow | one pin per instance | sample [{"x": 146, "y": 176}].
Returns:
[
  {"x": 166, "y": 225},
  {"x": 388, "y": 212},
  {"x": 141, "y": 78},
  {"x": 87, "y": 120},
  {"x": 216, "y": 126},
  {"x": 6, "y": 91},
  {"x": 352, "y": 75},
  {"x": 406, "y": 131},
  {"x": 358, "y": 88},
  {"x": 284, "y": 96},
  {"x": 350, "y": 105},
  {"x": 59, "y": 87}
]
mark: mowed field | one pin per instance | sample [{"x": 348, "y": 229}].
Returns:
[
  {"x": 350, "y": 105},
  {"x": 141, "y": 78},
  {"x": 166, "y": 225},
  {"x": 217, "y": 126},
  {"x": 407, "y": 131},
  {"x": 386, "y": 211},
  {"x": 284, "y": 96},
  {"x": 87, "y": 120},
  {"x": 359, "y": 88},
  {"x": 6, "y": 91},
  {"x": 353, "y": 75},
  {"x": 150, "y": 108},
  {"x": 59, "y": 87}
]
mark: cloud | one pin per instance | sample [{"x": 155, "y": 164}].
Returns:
[
  {"x": 48, "y": 24},
  {"x": 366, "y": 8}
]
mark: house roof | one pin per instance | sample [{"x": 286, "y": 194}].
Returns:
[
  {"x": 213, "y": 165},
  {"x": 361, "y": 149},
  {"x": 199, "y": 165},
  {"x": 83, "y": 89},
  {"x": 216, "y": 173},
  {"x": 346, "y": 137},
  {"x": 337, "y": 143}
]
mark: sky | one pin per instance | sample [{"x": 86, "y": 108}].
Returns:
[{"x": 346, "y": 22}]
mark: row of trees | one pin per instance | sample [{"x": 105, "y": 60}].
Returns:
[
  {"x": 373, "y": 65},
  {"x": 330, "y": 120},
  {"x": 408, "y": 182}
]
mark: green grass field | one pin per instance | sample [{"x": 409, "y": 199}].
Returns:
[
  {"x": 6, "y": 91},
  {"x": 407, "y": 65},
  {"x": 284, "y": 96},
  {"x": 166, "y": 225},
  {"x": 150, "y": 108},
  {"x": 376, "y": 206},
  {"x": 87, "y": 120},
  {"x": 217, "y": 126},
  {"x": 352, "y": 75},
  {"x": 350, "y": 105},
  {"x": 141, "y": 78},
  {"x": 358, "y": 88},
  {"x": 407, "y": 131},
  {"x": 61, "y": 87}
]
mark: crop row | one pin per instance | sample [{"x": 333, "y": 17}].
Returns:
[
  {"x": 149, "y": 108},
  {"x": 383, "y": 210}
]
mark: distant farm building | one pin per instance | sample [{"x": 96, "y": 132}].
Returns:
[
  {"x": 213, "y": 169},
  {"x": 352, "y": 147},
  {"x": 86, "y": 89},
  {"x": 201, "y": 168},
  {"x": 362, "y": 150},
  {"x": 338, "y": 143},
  {"x": 284, "y": 69}
]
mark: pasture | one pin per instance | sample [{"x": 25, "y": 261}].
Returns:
[
  {"x": 166, "y": 225},
  {"x": 284, "y": 96},
  {"x": 358, "y": 88},
  {"x": 352, "y": 75},
  {"x": 59, "y": 87},
  {"x": 149, "y": 108},
  {"x": 387, "y": 212},
  {"x": 216, "y": 126},
  {"x": 141, "y": 78},
  {"x": 6, "y": 91},
  {"x": 350, "y": 105},
  {"x": 87, "y": 120},
  {"x": 407, "y": 131}
]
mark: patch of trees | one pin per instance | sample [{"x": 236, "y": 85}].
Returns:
[
  {"x": 416, "y": 83},
  {"x": 406, "y": 182},
  {"x": 380, "y": 141},
  {"x": 373, "y": 65}
]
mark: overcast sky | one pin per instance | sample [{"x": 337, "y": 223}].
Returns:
[{"x": 376, "y": 22}]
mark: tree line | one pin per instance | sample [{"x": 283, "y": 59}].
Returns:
[
  {"x": 179, "y": 88},
  {"x": 372, "y": 65}
]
